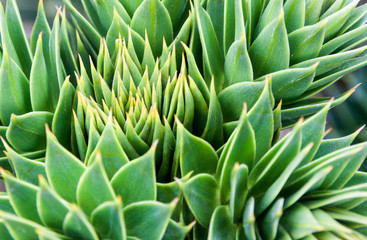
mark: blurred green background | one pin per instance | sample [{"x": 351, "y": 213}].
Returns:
[{"x": 344, "y": 119}]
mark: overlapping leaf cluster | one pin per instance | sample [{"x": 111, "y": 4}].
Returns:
[{"x": 149, "y": 137}]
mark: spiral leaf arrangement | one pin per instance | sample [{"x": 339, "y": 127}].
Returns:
[{"x": 163, "y": 121}]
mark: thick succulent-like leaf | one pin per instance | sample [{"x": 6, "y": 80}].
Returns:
[
  {"x": 311, "y": 106},
  {"x": 94, "y": 187},
  {"x": 63, "y": 169},
  {"x": 137, "y": 174},
  {"x": 261, "y": 119},
  {"x": 44, "y": 91},
  {"x": 27, "y": 132},
  {"x": 4, "y": 233},
  {"x": 336, "y": 20},
  {"x": 312, "y": 132},
  {"x": 232, "y": 98},
  {"x": 276, "y": 160},
  {"x": 270, "y": 13},
  {"x": 22, "y": 197},
  {"x": 194, "y": 153},
  {"x": 270, "y": 223},
  {"x": 153, "y": 17},
  {"x": 113, "y": 156},
  {"x": 25, "y": 169},
  {"x": 291, "y": 83},
  {"x": 273, "y": 191},
  {"x": 6, "y": 39},
  {"x": 235, "y": 152},
  {"x": 18, "y": 35},
  {"x": 213, "y": 57},
  {"x": 5, "y": 204},
  {"x": 83, "y": 25},
  {"x": 268, "y": 57},
  {"x": 76, "y": 225},
  {"x": 202, "y": 195},
  {"x": 330, "y": 145},
  {"x": 221, "y": 225},
  {"x": 306, "y": 43},
  {"x": 108, "y": 220},
  {"x": 213, "y": 131},
  {"x": 239, "y": 190},
  {"x": 238, "y": 67},
  {"x": 61, "y": 122},
  {"x": 153, "y": 217},
  {"x": 248, "y": 221},
  {"x": 177, "y": 231},
  {"x": 51, "y": 208},
  {"x": 131, "y": 6},
  {"x": 23, "y": 229},
  {"x": 14, "y": 89},
  {"x": 295, "y": 14},
  {"x": 339, "y": 41},
  {"x": 40, "y": 25}
]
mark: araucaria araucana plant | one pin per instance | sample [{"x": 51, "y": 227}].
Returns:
[{"x": 163, "y": 121}]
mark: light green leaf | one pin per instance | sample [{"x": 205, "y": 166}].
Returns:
[
  {"x": 177, "y": 231},
  {"x": 194, "y": 153},
  {"x": 213, "y": 132},
  {"x": 52, "y": 209},
  {"x": 61, "y": 123},
  {"x": 221, "y": 226},
  {"x": 311, "y": 106},
  {"x": 306, "y": 43},
  {"x": 213, "y": 57},
  {"x": 294, "y": 12},
  {"x": 94, "y": 187},
  {"x": 341, "y": 40},
  {"x": 42, "y": 89},
  {"x": 273, "y": 191},
  {"x": 270, "y": 51},
  {"x": 22, "y": 229},
  {"x": 262, "y": 122},
  {"x": 138, "y": 174},
  {"x": 86, "y": 28},
  {"x": 235, "y": 152},
  {"x": 202, "y": 196},
  {"x": 239, "y": 190},
  {"x": 131, "y": 6},
  {"x": 27, "y": 132},
  {"x": 291, "y": 83},
  {"x": 331, "y": 145},
  {"x": 153, "y": 17},
  {"x": 6, "y": 39},
  {"x": 22, "y": 197},
  {"x": 113, "y": 156},
  {"x": 336, "y": 20},
  {"x": 313, "y": 11},
  {"x": 40, "y": 26},
  {"x": 63, "y": 169},
  {"x": 108, "y": 220},
  {"x": 18, "y": 36},
  {"x": 274, "y": 163},
  {"x": 232, "y": 98},
  {"x": 25, "y": 169},
  {"x": 77, "y": 226},
  {"x": 238, "y": 66},
  {"x": 153, "y": 217},
  {"x": 249, "y": 219},
  {"x": 270, "y": 223},
  {"x": 299, "y": 222},
  {"x": 312, "y": 132},
  {"x": 274, "y": 8},
  {"x": 14, "y": 89}
]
